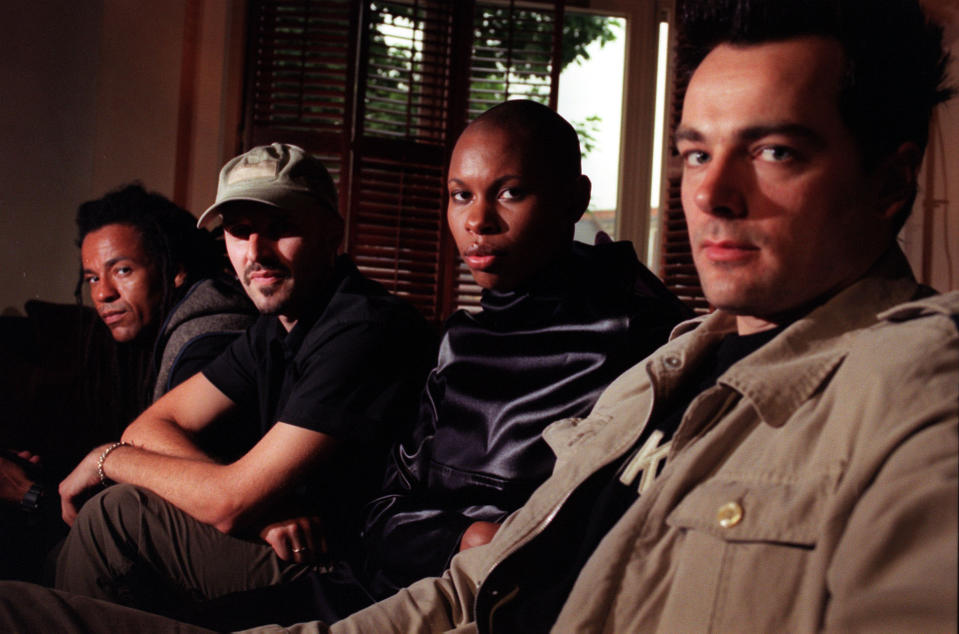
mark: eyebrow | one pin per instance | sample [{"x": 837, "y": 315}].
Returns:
[
  {"x": 108, "y": 263},
  {"x": 687, "y": 134},
  {"x": 754, "y": 133},
  {"x": 499, "y": 181}
]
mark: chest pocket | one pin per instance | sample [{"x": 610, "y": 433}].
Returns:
[
  {"x": 742, "y": 543},
  {"x": 770, "y": 511}
]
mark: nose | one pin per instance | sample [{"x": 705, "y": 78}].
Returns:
[
  {"x": 719, "y": 188},
  {"x": 104, "y": 292},
  {"x": 482, "y": 218},
  {"x": 257, "y": 246}
]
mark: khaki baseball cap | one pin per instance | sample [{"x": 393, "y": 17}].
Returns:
[{"x": 278, "y": 175}]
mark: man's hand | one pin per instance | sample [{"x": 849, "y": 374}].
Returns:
[
  {"x": 75, "y": 488},
  {"x": 14, "y": 482},
  {"x": 477, "y": 534},
  {"x": 32, "y": 458},
  {"x": 299, "y": 539}
]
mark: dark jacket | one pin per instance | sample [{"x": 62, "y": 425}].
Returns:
[
  {"x": 530, "y": 357},
  {"x": 210, "y": 316}
]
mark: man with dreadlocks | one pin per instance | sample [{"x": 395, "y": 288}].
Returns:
[{"x": 156, "y": 281}]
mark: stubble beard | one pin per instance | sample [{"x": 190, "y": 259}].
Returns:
[{"x": 271, "y": 300}]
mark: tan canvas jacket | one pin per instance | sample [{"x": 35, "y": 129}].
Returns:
[{"x": 814, "y": 488}]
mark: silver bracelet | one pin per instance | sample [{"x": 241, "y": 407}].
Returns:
[{"x": 103, "y": 456}]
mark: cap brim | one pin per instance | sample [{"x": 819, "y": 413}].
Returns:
[{"x": 210, "y": 218}]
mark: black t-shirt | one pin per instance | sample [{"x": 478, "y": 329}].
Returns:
[
  {"x": 340, "y": 370},
  {"x": 352, "y": 369},
  {"x": 197, "y": 354}
]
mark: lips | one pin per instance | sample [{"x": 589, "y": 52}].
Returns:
[
  {"x": 728, "y": 250},
  {"x": 263, "y": 275},
  {"x": 112, "y": 316},
  {"x": 481, "y": 257},
  {"x": 267, "y": 275}
]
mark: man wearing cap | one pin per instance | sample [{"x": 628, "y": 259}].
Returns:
[{"x": 330, "y": 363}]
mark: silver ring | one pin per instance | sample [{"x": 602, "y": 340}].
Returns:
[{"x": 300, "y": 550}]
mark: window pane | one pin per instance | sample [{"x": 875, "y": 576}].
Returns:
[{"x": 596, "y": 70}]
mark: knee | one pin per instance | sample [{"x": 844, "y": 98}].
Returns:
[
  {"x": 118, "y": 506},
  {"x": 101, "y": 541}
]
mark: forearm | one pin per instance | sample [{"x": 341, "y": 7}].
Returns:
[
  {"x": 230, "y": 496},
  {"x": 163, "y": 436},
  {"x": 210, "y": 492}
]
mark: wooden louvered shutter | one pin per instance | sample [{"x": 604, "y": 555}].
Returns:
[
  {"x": 513, "y": 54},
  {"x": 397, "y": 234},
  {"x": 678, "y": 271},
  {"x": 382, "y": 131},
  {"x": 300, "y": 77}
]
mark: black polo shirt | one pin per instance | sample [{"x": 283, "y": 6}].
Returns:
[
  {"x": 340, "y": 370},
  {"x": 353, "y": 369}
]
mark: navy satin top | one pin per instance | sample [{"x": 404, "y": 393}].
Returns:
[{"x": 530, "y": 357}]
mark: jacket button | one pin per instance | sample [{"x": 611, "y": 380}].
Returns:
[
  {"x": 729, "y": 514},
  {"x": 673, "y": 362}
]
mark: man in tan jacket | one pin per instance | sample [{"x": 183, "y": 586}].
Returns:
[{"x": 788, "y": 462}]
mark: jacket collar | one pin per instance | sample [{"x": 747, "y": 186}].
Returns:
[{"x": 785, "y": 372}]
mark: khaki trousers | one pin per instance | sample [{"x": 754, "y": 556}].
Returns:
[{"x": 131, "y": 547}]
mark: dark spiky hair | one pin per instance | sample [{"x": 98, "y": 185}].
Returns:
[{"x": 895, "y": 64}]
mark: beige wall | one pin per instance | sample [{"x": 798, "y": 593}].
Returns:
[
  {"x": 218, "y": 96},
  {"x": 92, "y": 100},
  {"x": 138, "y": 81},
  {"x": 49, "y": 54}
]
